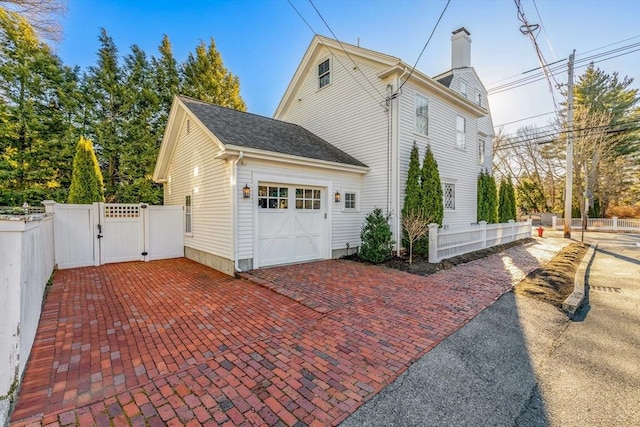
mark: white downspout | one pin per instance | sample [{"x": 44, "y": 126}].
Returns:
[{"x": 235, "y": 210}]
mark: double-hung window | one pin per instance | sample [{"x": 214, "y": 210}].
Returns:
[
  {"x": 463, "y": 88},
  {"x": 422, "y": 115},
  {"x": 324, "y": 74},
  {"x": 461, "y": 132}
]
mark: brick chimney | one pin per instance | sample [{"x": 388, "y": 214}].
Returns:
[{"x": 460, "y": 48}]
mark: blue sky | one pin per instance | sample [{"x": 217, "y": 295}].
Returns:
[{"x": 263, "y": 41}]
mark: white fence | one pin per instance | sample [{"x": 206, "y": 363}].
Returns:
[
  {"x": 600, "y": 224},
  {"x": 447, "y": 243},
  {"x": 102, "y": 233},
  {"x": 26, "y": 263}
]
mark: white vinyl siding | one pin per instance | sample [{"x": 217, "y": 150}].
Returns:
[
  {"x": 461, "y": 132},
  {"x": 351, "y": 120},
  {"x": 422, "y": 115},
  {"x": 193, "y": 171}
]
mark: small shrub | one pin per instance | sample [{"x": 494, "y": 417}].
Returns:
[{"x": 376, "y": 238}]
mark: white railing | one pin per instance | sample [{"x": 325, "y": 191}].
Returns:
[
  {"x": 447, "y": 243},
  {"x": 601, "y": 224},
  {"x": 26, "y": 264}
]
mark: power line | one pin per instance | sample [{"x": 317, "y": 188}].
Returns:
[
  {"x": 423, "y": 48},
  {"x": 330, "y": 50},
  {"x": 562, "y": 60},
  {"x": 526, "y": 118},
  {"x": 344, "y": 50}
]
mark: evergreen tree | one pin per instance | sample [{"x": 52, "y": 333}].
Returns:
[
  {"x": 487, "y": 198},
  {"x": 167, "y": 78},
  {"x": 34, "y": 158},
  {"x": 507, "y": 203},
  {"x": 105, "y": 90},
  {"x": 140, "y": 132},
  {"x": 376, "y": 238},
  {"x": 86, "y": 183},
  {"x": 432, "y": 203},
  {"x": 206, "y": 78},
  {"x": 413, "y": 191}
]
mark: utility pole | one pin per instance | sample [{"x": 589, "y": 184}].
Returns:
[{"x": 568, "y": 191}]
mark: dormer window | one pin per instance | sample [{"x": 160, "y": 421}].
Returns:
[
  {"x": 463, "y": 88},
  {"x": 324, "y": 74}
]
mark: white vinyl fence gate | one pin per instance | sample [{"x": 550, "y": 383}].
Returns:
[{"x": 103, "y": 233}]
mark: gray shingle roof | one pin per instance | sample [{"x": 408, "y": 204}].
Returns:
[
  {"x": 252, "y": 131},
  {"x": 446, "y": 80}
]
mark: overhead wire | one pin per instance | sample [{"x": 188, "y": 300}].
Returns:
[
  {"x": 344, "y": 50},
  {"x": 335, "y": 56},
  {"x": 423, "y": 49}
]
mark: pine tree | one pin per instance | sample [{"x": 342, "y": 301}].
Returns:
[
  {"x": 167, "y": 78},
  {"x": 376, "y": 238},
  {"x": 86, "y": 182},
  {"x": 206, "y": 78}
]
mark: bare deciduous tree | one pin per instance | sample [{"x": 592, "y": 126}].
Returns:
[
  {"x": 42, "y": 15},
  {"x": 416, "y": 226}
]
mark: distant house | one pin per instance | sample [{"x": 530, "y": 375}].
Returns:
[{"x": 259, "y": 191}]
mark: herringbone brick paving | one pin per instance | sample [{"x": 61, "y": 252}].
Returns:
[{"x": 173, "y": 342}]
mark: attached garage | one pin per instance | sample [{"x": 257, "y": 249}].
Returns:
[
  {"x": 292, "y": 224},
  {"x": 256, "y": 192}
]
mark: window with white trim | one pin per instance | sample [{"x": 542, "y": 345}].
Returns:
[
  {"x": 449, "y": 195},
  {"x": 481, "y": 151},
  {"x": 422, "y": 115},
  {"x": 188, "y": 214},
  {"x": 461, "y": 132},
  {"x": 350, "y": 200},
  {"x": 479, "y": 99},
  {"x": 324, "y": 74},
  {"x": 463, "y": 88}
]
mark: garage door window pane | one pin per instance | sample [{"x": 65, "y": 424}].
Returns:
[
  {"x": 308, "y": 198},
  {"x": 273, "y": 197}
]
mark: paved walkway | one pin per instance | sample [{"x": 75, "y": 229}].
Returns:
[{"x": 174, "y": 342}]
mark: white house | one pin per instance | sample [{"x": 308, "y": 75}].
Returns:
[{"x": 259, "y": 191}]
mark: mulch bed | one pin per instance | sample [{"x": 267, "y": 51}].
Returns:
[{"x": 422, "y": 266}]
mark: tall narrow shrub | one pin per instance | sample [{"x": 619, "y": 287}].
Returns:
[
  {"x": 432, "y": 205},
  {"x": 413, "y": 191},
  {"x": 487, "y": 198},
  {"x": 507, "y": 202},
  {"x": 376, "y": 238},
  {"x": 86, "y": 180}
]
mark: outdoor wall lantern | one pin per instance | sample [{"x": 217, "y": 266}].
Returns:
[
  {"x": 246, "y": 192},
  {"x": 336, "y": 197}
]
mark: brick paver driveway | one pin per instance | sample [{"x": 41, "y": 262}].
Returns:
[{"x": 174, "y": 342}]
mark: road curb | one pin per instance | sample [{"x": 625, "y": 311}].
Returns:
[{"x": 575, "y": 300}]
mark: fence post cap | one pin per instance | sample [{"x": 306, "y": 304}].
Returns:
[
  {"x": 434, "y": 225},
  {"x": 511, "y": 221},
  {"x": 482, "y": 222}
]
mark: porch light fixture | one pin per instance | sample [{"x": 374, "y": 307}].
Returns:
[
  {"x": 246, "y": 192},
  {"x": 336, "y": 197}
]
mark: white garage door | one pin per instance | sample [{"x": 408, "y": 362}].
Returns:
[{"x": 292, "y": 224}]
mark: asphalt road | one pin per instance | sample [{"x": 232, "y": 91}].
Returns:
[{"x": 523, "y": 363}]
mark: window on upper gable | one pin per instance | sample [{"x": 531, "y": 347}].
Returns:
[
  {"x": 479, "y": 99},
  {"x": 463, "y": 88},
  {"x": 422, "y": 115},
  {"x": 481, "y": 151},
  {"x": 461, "y": 132},
  {"x": 324, "y": 74}
]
